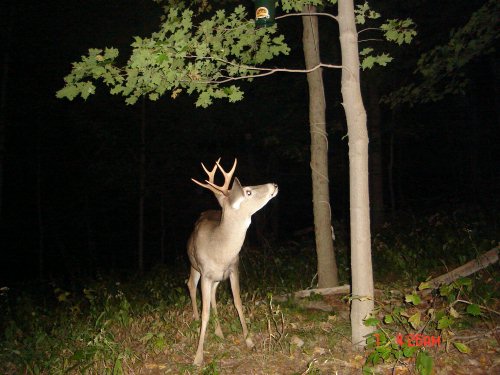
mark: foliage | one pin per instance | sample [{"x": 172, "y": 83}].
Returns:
[
  {"x": 180, "y": 57},
  {"x": 442, "y": 69},
  {"x": 411, "y": 329},
  {"x": 109, "y": 326},
  {"x": 394, "y": 30},
  {"x": 203, "y": 58},
  {"x": 411, "y": 247}
]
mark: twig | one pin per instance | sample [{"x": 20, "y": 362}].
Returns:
[
  {"x": 479, "y": 335},
  {"x": 481, "y": 306},
  {"x": 307, "y": 15}
]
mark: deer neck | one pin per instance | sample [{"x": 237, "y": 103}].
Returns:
[{"x": 232, "y": 228}]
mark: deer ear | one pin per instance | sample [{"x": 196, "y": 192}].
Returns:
[
  {"x": 237, "y": 194},
  {"x": 236, "y": 184}
]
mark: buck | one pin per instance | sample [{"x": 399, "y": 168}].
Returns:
[{"x": 214, "y": 246}]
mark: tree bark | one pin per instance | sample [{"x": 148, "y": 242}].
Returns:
[
  {"x": 327, "y": 266},
  {"x": 376, "y": 173},
  {"x": 9, "y": 9},
  {"x": 142, "y": 187},
  {"x": 39, "y": 207},
  {"x": 481, "y": 262},
  {"x": 361, "y": 261}
]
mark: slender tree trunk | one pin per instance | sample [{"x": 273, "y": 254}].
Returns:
[
  {"x": 41, "y": 223},
  {"x": 361, "y": 261},
  {"x": 7, "y": 38},
  {"x": 327, "y": 267},
  {"x": 376, "y": 174},
  {"x": 163, "y": 227},
  {"x": 390, "y": 170},
  {"x": 91, "y": 240},
  {"x": 142, "y": 185}
]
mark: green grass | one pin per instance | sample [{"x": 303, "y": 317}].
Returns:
[{"x": 113, "y": 327}]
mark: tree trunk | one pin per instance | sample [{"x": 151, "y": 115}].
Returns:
[
  {"x": 163, "y": 227},
  {"x": 91, "y": 238},
  {"x": 39, "y": 209},
  {"x": 8, "y": 9},
  {"x": 376, "y": 174},
  {"x": 142, "y": 184},
  {"x": 361, "y": 261},
  {"x": 327, "y": 267}
]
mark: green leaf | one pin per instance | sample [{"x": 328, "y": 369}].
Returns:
[
  {"x": 365, "y": 51},
  {"x": 371, "y": 322},
  {"x": 204, "y": 100},
  {"x": 86, "y": 89},
  {"x": 131, "y": 100},
  {"x": 388, "y": 319},
  {"x": 462, "y": 348},
  {"x": 415, "y": 320},
  {"x": 369, "y": 61},
  {"x": 110, "y": 53},
  {"x": 413, "y": 298},
  {"x": 445, "y": 322},
  {"x": 424, "y": 363},
  {"x": 235, "y": 94},
  {"x": 473, "y": 310},
  {"x": 409, "y": 351},
  {"x": 463, "y": 281},
  {"x": 424, "y": 285},
  {"x": 69, "y": 92}
]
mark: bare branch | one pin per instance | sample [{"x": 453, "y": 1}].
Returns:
[
  {"x": 307, "y": 14},
  {"x": 370, "y": 40},
  {"x": 368, "y": 29}
]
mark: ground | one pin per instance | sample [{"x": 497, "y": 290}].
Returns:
[{"x": 290, "y": 340}]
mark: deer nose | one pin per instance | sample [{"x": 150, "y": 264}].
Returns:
[{"x": 275, "y": 192}]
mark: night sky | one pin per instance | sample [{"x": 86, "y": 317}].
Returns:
[{"x": 70, "y": 169}]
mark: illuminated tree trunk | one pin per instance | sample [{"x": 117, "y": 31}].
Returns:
[
  {"x": 327, "y": 267},
  {"x": 376, "y": 173},
  {"x": 361, "y": 261}
]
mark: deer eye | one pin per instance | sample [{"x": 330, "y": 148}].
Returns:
[{"x": 249, "y": 192}]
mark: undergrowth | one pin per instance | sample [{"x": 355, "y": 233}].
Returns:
[{"x": 112, "y": 326}]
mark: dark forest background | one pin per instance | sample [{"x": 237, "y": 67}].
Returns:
[{"x": 70, "y": 184}]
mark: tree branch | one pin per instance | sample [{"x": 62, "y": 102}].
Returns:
[
  {"x": 267, "y": 71},
  {"x": 368, "y": 29},
  {"x": 307, "y": 14}
]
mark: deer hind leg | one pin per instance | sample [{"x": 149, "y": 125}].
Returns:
[
  {"x": 194, "y": 277},
  {"x": 218, "y": 330},
  {"x": 206, "y": 290},
  {"x": 235, "y": 287}
]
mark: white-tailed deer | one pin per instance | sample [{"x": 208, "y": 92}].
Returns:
[{"x": 215, "y": 244}]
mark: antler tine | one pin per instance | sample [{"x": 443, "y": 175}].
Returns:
[
  {"x": 211, "y": 174},
  {"x": 227, "y": 175}
]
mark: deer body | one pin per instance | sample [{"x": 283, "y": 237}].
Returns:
[{"x": 215, "y": 244}]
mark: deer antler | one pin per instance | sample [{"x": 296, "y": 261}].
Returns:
[{"x": 224, "y": 189}]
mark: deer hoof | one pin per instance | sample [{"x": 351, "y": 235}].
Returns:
[{"x": 198, "y": 360}]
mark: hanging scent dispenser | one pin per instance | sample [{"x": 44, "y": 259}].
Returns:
[{"x": 264, "y": 13}]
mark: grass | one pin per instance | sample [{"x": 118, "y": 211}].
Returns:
[{"x": 145, "y": 325}]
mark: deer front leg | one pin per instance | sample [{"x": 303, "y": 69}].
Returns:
[
  {"x": 235, "y": 288},
  {"x": 206, "y": 289},
  {"x": 218, "y": 330},
  {"x": 194, "y": 277}
]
